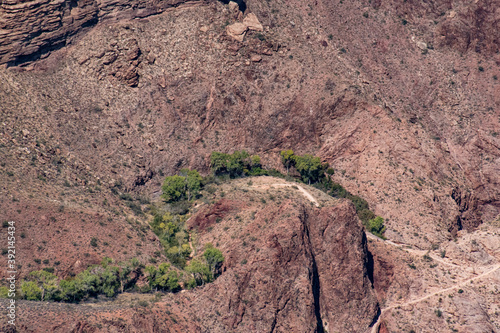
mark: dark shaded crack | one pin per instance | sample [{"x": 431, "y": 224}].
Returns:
[
  {"x": 275, "y": 320},
  {"x": 241, "y": 4},
  {"x": 314, "y": 279},
  {"x": 377, "y": 315},
  {"x": 369, "y": 263}
]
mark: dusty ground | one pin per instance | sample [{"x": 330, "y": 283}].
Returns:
[{"x": 401, "y": 98}]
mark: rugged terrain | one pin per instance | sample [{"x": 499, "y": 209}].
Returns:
[
  {"x": 99, "y": 101},
  {"x": 290, "y": 267}
]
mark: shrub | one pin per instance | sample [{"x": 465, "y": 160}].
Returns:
[
  {"x": 214, "y": 259},
  {"x": 31, "y": 291},
  {"x": 376, "y": 226},
  {"x": 184, "y": 186},
  {"x": 4, "y": 292}
]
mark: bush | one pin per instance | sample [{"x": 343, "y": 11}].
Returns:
[
  {"x": 214, "y": 259},
  {"x": 187, "y": 185},
  {"x": 376, "y": 226},
  {"x": 31, "y": 291}
]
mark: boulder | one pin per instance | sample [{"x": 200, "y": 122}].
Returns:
[
  {"x": 252, "y": 22},
  {"x": 237, "y": 31}
]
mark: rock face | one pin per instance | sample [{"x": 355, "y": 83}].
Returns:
[
  {"x": 290, "y": 267},
  {"x": 29, "y": 29}
]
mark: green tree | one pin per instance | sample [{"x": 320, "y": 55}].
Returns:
[
  {"x": 310, "y": 167},
  {"x": 163, "y": 278},
  {"x": 109, "y": 283},
  {"x": 173, "y": 188},
  {"x": 200, "y": 271},
  {"x": 168, "y": 281},
  {"x": 235, "y": 164},
  {"x": 214, "y": 258},
  {"x": 47, "y": 282},
  {"x": 238, "y": 163},
  {"x": 376, "y": 226},
  {"x": 192, "y": 182},
  {"x": 31, "y": 291},
  {"x": 256, "y": 161},
  {"x": 70, "y": 290},
  {"x": 287, "y": 158},
  {"x": 218, "y": 162}
]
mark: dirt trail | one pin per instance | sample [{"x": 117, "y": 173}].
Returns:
[
  {"x": 375, "y": 327},
  {"x": 490, "y": 270},
  {"x": 300, "y": 188},
  {"x": 410, "y": 250},
  {"x": 454, "y": 286}
]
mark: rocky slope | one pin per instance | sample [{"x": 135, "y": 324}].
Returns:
[
  {"x": 290, "y": 267},
  {"x": 422, "y": 148},
  {"x": 400, "y": 97},
  {"x": 49, "y": 24}
]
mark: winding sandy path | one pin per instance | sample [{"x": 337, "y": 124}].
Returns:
[
  {"x": 410, "y": 250},
  {"x": 453, "y": 287},
  {"x": 405, "y": 247},
  {"x": 300, "y": 188}
]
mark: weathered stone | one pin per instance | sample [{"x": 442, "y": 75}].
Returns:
[
  {"x": 252, "y": 22},
  {"x": 255, "y": 58},
  {"x": 237, "y": 31}
]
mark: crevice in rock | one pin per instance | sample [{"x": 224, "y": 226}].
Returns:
[
  {"x": 241, "y": 4},
  {"x": 316, "y": 288},
  {"x": 376, "y": 317},
  {"x": 369, "y": 265}
]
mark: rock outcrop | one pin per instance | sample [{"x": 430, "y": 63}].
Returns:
[
  {"x": 238, "y": 30},
  {"x": 29, "y": 29},
  {"x": 290, "y": 267}
]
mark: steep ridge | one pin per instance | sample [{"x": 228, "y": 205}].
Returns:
[{"x": 290, "y": 267}]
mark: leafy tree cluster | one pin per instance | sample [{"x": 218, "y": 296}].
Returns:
[
  {"x": 104, "y": 279},
  {"x": 184, "y": 186},
  {"x": 206, "y": 270},
  {"x": 170, "y": 229},
  {"x": 376, "y": 226},
  {"x": 110, "y": 279},
  {"x": 163, "y": 278},
  {"x": 237, "y": 164},
  {"x": 310, "y": 167}
]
